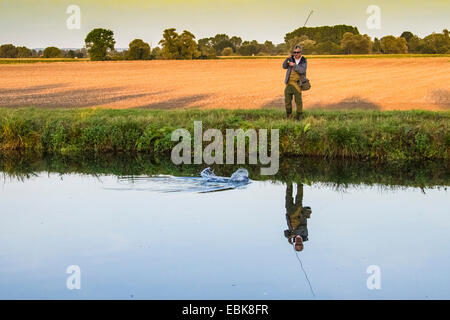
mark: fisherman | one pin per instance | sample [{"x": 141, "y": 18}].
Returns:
[
  {"x": 296, "y": 72},
  {"x": 296, "y": 216}
]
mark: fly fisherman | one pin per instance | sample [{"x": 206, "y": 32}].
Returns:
[
  {"x": 296, "y": 72},
  {"x": 296, "y": 216}
]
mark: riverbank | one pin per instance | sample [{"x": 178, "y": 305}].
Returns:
[{"x": 376, "y": 135}]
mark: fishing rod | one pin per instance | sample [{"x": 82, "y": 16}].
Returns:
[{"x": 308, "y": 17}]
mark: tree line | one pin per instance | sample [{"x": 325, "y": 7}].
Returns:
[{"x": 339, "y": 39}]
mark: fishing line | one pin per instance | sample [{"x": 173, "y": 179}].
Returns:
[{"x": 306, "y": 276}]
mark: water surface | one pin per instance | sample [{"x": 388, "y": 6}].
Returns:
[{"x": 160, "y": 236}]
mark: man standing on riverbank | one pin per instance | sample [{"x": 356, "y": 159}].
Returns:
[{"x": 296, "y": 71}]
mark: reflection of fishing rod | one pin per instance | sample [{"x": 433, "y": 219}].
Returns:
[{"x": 306, "y": 276}]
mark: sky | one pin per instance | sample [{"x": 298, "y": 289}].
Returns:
[{"x": 38, "y": 24}]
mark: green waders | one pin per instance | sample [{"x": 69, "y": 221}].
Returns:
[{"x": 290, "y": 91}]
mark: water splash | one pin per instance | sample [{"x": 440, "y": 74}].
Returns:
[
  {"x": 240, "y": 176},
  {"x": 207, "y": 182}
]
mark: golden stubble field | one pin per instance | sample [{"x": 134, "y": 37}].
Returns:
[{"x": 368, "y": 83}]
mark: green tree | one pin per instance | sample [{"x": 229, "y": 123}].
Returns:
[
  {"x": 156, "y": 53},
  {"x": 436, "y": 43},
  {"x": 268, "y": 48},
  {"x": 391, "y": 44},
  {"x": 170, "y": 44},
  {"x": 356, "y": 43},
  {"x": 220, "y": 42},
  {"x": 415, "y": 44},
  {"x": 189, "y": 48},
  {"x": 99, "y": 42},
  {"x": 328, "y": 47},
  {"x": 8, "y": 51},
  {"x": 308, "y": 46},
  {"x": 376, "y": 46},
  {"x": 445, "y": 32},
  {"x": 23, "y": 52},
  {"x": 281, "y": 49},
  {"x": 236, "y": 41},
  {"x": 249, "y": 48},
  {"x": 52, "y": 52},
  {"x": 407, "y": 35},
  {"x": 176, "y": 46},
  {"x": 138, "y": 50},
  {"x": 292, "y": 42},
  {"x": 205, "y": 46},
  {"x": 227, "y": 51},
  {"x": 69, "y": 54},
  {"x": 323, "y": 33}
]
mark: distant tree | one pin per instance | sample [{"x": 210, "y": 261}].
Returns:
[
  {"x": 52, "y": 52},
  {"x": 220, "y": 42},
  {"x": 308, "y": 46},
  {"x": 407, "y": 35},
  {"x": 156, "y": 53},
  {"x": 323, "y": 33},
  {"x": 391, "y": 44},
  {"x": 73, "y": 53},
  {"x": 138, "y": 50},
  {"x": 436, "y": 43},
  {"x": 205, "y": 46},
  {"x": 99, "y": 42},
  {"x": 188, "y": 45},
  {"x": 118, "y": 55},
  {"x": 8, "y": 51},
  {"x": 268, "y": 48},
  {"x": 236, "y": 41},
  {"x": 376, "y": 46},
  {"x": 328, "y": 47},
  {"x": 281, "y": 49},
  {"x": 356, "y": 43},
  {"x": 23, "y": 52},
  {"x": 415, "y": 44},
  {"x": 227, "y": 51},
  {"x": 179, "y": 46},
  {"x": 170, "y": 44},
  {"x": 249, "y": 48},
  {"x": 68, "y": 53},
  {"x": 292, "y": 42}
]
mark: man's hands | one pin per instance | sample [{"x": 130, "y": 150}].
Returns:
[{"x": 291, "y": 64}]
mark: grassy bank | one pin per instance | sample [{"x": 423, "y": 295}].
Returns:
[{"x": 383, "y": 136}]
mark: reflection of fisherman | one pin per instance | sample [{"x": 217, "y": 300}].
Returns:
[{"x": 296, "y": 216}]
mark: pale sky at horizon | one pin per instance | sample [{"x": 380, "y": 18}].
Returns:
[{"x": 38, "y": 24}]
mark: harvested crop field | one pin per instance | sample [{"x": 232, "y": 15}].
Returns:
[{"x": 376, "y": 84}]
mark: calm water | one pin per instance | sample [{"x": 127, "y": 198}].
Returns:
[{"x": 163, "y": 237}]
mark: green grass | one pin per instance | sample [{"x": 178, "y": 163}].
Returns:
[{"x": 357, "y": 134}]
